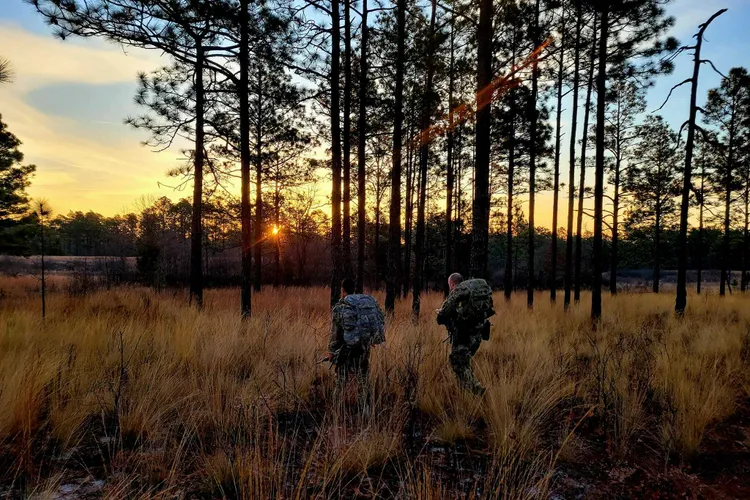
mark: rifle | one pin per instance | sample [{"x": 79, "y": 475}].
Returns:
[{"x": 330, "y": 359}]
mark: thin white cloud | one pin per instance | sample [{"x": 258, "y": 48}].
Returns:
[
  {"x": 38, "y": 60},
  {"x": 76, "y": 172}
]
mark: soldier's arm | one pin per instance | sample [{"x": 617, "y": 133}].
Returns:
[
  {"x": 336, "y": 340},
  {"x": 446, "y": 312}
]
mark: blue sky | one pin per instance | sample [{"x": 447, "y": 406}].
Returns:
[{"x": 69, "y": 99}]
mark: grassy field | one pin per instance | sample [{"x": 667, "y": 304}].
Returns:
[{"x": 131, "y": 394}]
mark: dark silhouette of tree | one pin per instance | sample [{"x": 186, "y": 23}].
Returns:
[
  {"x": 394, "y": 251},
  {"x": 188, "y": 33},
  {"x": 584, "y": 149},
  {"x": 335, "y": 153},
  {"x": 362, "y": 150},
  {"x": 347, "y": 146},
  {"x": 681, "y": 296},
  {"x": 577, "y": 49},
  {"x": 558, "y": 139},
  {"x": 535, "y": 35},
  {"x": 43, "y": 212},
  {"x": 633, "y": 28},
  {"x": 481, "y": 205},
  {"x": 706, "y": 159},
  {"x": 427, "y": 112},
  {"x": 727, "y": 108},
  {"x": 626, "y": 102},
  {"x": 450, "y": 168},
  {"x": 6, "y": 71},
  {"x": 243, "y": 93},
  {"x": 653, "y": 183},
  {"x": 14, "y": 178}
]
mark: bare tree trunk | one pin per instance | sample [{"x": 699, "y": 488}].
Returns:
[
  {"x": 601, "y": 91},
  {"x": 196, "y": 233},
  {"x": 681, "y": 299},
  {"x": 246, "y": 215},
  {"x": 481, "y": 206},
  {"x": 347, "y": 226},
  {"x": 394, "y": 253},
  {"x": 582, "y": 181},
  {"x": 572, "y": 167},
  {"x": 361, "y": 153},
  {"x": 335, "y": 155}
]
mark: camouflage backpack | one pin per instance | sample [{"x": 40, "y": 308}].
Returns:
[
  {"x": 474, "y": 304},
  {"x": 362, "y": 320}
]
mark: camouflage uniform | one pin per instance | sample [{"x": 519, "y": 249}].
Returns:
[
  {"x": 348, "y": 359},
  {"x": 465, "y": 339}
]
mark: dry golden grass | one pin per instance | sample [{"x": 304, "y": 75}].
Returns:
[{"x": 158, "y": 399}]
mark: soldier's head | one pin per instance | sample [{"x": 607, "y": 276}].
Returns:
[
  {"x": 347, "y": 287},
  {"x": 453, "y": 280}
]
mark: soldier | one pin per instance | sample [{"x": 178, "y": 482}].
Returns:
[
  {"x": 357, "y": 324},
  {"x": 465, "y": 314}
]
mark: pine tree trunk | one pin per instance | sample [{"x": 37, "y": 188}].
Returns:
[
  {"x": 347, "y": 222},
  {"x": 196, "y": 233},
  {"x": 449, "y": 168},
  {"x": 246, "y": 215},
  {"x": 615, "y": 230},
  {"x": 409, "y": 203},
  {"x": 277, "y": 235},
  {"x": 424, "y": 153},
  {"x": 725, "y": 237},
  {"x": 572, "y": 167},
  {"x": 556, "y": 194},
  {"x": 377, "y": 244},
  {"x": 44, "y": 277},
  {"x": 532, "y": 167},
  {"x": 700, "y": 232},
  {"x": 361, "y": 153},
  {"x": 601, "y": 91},
  {"x": 335, "y": 155},
  {"x": 394, "y": 250},
  {"x": 657, "y": 251},
  {"x": 258, "y": 248},
  {"x": 745, "y": 238},
  {"x": 481, "y": 206},
  {"x": 508, "y": 279},
  {"x": 459, "y": 196},
  {"x": 725, "y": 254},
  {"x": 582, "y": 180}
]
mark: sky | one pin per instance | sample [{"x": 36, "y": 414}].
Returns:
[{"x": 68, "y": 101}]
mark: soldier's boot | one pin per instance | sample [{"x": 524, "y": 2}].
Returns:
[{"x": 461, "y": 363}]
